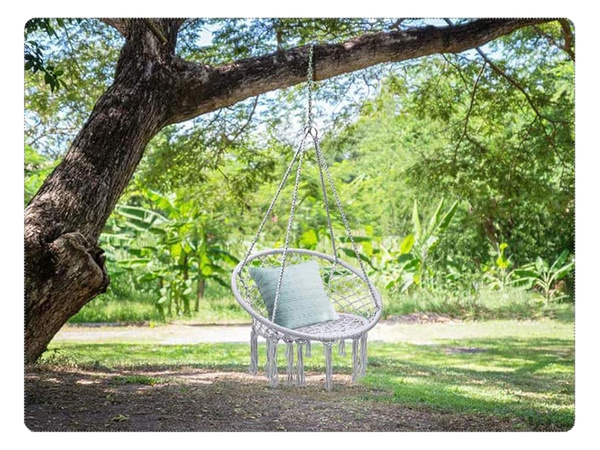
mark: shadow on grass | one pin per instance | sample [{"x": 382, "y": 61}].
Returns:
[{"x": 527, "y": 378}]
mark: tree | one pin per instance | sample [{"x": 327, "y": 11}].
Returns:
[{"x": 152, "y": 88}]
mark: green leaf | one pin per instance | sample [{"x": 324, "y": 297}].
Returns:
[
  {"x": 540, "y": 265},
  {"x": 368, "y": 248},
  {"x": 560, "y": 260},
  {"x": 563, "y": 272},
  {"x": 352, "y": 254},
  {"x": 356, "y": 239},
  {"x": 435, "y": 218},
  {"x": 416, "y": 221},
  {"x": 407, "y": 244},
  {"x": 447, "y": 219},
  {"x": 309, "y": 239},
  {"x": 134, "y": 262},
  {"x": 220, "y": 281}
]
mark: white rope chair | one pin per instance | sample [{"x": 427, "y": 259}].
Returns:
[{"x": 352, "y": 295}]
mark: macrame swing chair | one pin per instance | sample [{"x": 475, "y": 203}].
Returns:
[{"x": 354, "y": 298}]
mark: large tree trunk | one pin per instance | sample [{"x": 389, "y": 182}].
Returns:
[{"x": 64, "y": 268}]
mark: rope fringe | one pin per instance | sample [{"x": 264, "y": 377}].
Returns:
[
  {"x": 328, "y": 365},
  {"x": 253, "y": 352},
  {"x": 363, "y": 355},
  {"x": 300, "y": 380},
  {"x": 355, "y": 361},
  {"x": 289, "y": 356},
  {"x": 272, "y": 374}
]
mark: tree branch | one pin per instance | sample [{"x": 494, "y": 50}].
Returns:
[
  {"x": 568, "y": 33},
  {"x": 201, "y": 89},
  {"x": 121, "y": 25},
  {"x": 512, "y": 81},
  {"x": 468, "y": 116}
]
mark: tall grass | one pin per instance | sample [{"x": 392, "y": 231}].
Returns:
[
  {"x": 510, "y": 303},
  {"x": 125, "y": 303}
]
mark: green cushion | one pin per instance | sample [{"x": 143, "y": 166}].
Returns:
[{"x": 302, "y": 300}]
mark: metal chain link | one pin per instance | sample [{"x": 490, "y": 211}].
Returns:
[
  {"x": 311, "y": 130},
  {"x": 289, "y": 229},
  {"x": 279, "y": 189},
  {"x": 347, "y": 226}
]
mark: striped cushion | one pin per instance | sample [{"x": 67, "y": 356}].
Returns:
[{"x": 302, "y": 300}]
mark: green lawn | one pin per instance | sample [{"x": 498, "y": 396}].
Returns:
[{"x": 508, "y": 368}]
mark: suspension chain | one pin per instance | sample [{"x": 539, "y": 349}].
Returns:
[
  {"x": 289, "y": 230},
  {"x": 311, "y": 130},
  {"x": 271, "y": 206}
]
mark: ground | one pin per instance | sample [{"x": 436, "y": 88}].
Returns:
[
  {"x": 198, "y": 400},
  {"x": 435, "y": 376}
]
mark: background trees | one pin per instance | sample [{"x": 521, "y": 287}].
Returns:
[{"x": 491, "y": 129}]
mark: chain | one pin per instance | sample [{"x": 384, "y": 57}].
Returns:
[
  {"x": 289, "y": 228},
  {"x": 311, "y": 130},
  {"x": 348, "y": 230},
  {"x": 308, "y": 129},
  {"x": 279, "y": 189}
]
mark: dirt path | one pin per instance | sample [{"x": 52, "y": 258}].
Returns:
[
  {"x": 388, "y": 331},
  {"x": 199, "y": 400}
]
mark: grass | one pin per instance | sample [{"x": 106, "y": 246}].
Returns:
[
  {"x": 112, "y": 310},
  {"x": 503, "y": 368},
  {"x": 510, "y": 303},
  {"x": 138, "y": 379}
]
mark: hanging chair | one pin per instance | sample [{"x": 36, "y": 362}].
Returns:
[{"x": 356, "y": 302}]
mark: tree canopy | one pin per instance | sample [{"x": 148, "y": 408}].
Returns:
[{"x": 478, "y": 112}]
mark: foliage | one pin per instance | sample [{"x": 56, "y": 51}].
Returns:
[
  {"x": 426, "y": 237},
  {"x": 172, "y": 245},
  {"x": 475, "y": 304},
  {"x": 496, "y": 136},
  {"x": 546, "y": 278},
  {"x": 37, "y": 168},
  {"x": 498, "y": 276},
  {"x": 86, "y": 51},
  {"x": 34, "y": 56}
]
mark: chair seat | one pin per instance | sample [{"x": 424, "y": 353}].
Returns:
[{"x": 343, "y": 327}]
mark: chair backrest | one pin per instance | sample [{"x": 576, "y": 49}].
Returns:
[{"x": 347, "y": 289}]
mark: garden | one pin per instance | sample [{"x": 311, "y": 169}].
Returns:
[{"x": 456, "y": 174}]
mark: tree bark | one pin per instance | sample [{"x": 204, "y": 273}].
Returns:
[{"x": 64, "y": 268}]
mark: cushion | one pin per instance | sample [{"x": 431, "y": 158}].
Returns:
[{"x": 302, "y": 300}]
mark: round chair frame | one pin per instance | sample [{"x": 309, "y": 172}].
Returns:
[{"x": 352, "y": 295}]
